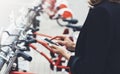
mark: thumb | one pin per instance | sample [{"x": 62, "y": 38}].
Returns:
[{"x": 53, "y": 46}]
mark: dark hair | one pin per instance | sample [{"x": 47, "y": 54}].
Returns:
[{"x": 95, "y": 2}]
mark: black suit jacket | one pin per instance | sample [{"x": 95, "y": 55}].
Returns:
[{"x": 98, "y": 46}]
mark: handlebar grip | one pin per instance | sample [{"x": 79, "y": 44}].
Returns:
[
  {"x": 50, "y": 41},
  {"x": 75, "y": 28},
  {"x": 72, "y": 21},
  {"x": 30, "y": 41},
  {"x": 2, "y": 61},
  {"x": 25, "y": 56}
]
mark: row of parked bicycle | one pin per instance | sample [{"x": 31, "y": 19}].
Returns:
[{"x": 19, "y": 38}]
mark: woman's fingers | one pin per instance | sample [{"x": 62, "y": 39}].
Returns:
[
  {"x": 57, "y": 49},
  {"x": 61, "y": 42},
  {"x": 53, "y": 46},
  {"x": 60, "y": 50},
  {"x": 59, "y": 37}
]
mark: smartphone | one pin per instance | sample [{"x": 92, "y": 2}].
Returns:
[{"x": 50, "y": 41}]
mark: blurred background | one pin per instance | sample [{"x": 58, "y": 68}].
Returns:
[{"x": 39, "y": 64}]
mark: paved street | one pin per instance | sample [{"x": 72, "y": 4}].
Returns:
[{"x": 39, "y": 64}]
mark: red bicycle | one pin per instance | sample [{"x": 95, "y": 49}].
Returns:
[{"x": 55, "y": 61}]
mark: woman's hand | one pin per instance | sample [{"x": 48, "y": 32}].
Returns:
[
  {"x": 64, "y": 40},
  {"x": 60, "y": 50}
]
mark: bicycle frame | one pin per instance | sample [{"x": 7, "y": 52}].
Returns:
[{"x": 56, "y": 63}]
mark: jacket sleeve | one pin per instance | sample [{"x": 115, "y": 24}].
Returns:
[{"x": 97, "y": 43}]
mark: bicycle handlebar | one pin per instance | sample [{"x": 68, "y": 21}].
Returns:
[
  {"x": 24, "y": 55},
  {"x": 45, "y": 44},
  {"x": 74, "y": 27},
  {"x": 72, "y": 21}
]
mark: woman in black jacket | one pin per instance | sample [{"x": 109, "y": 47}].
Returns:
[{"x": 98, "y": 46}]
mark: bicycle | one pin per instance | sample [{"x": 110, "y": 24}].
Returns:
[
  {"x": 17, "y": 40},
  {"x": 44, "y": 40},
  {"x": 24, "y": 36}
]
